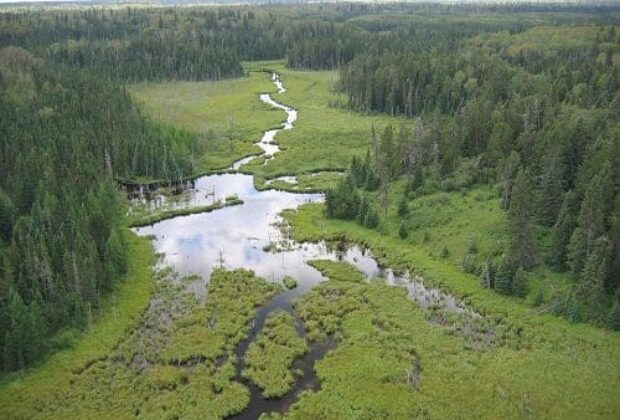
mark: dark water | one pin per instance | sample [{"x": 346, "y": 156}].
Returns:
[{"x": 238, "y": 237}]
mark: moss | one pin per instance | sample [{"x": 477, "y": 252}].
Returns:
[{"x": 269, "y": 358}]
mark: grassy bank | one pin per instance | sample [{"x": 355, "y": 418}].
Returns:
[
  {"x": 21, "y": 394},
  {"x": 532, "y": 374},
  {"x": 144, "y": 217}
]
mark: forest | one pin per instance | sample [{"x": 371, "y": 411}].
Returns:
[{"x": 500, "y": 121}]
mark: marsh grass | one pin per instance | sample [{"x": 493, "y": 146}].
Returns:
[
  {"x": 270, "y": 357},
  {"x": 144, "y": 217},
  {"x": 537, "y": 370}
]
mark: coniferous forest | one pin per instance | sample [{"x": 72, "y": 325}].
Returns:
[{"x": 474, "y": 148}]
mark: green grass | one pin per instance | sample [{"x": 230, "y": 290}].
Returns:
[
  {"x": 227, "y": 113},
  {"x": 270, "y": 357},
  {"x": 325, "y": 136},
  {"x": 534, "y": 375},
  {"x": 211, "y": 331},
  {"x": 143, "y": 217},
  {"x": 21, "y": 393},
  {"x": 175, "y": 361}
]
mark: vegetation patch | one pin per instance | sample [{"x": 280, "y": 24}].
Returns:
[
  {"x": 289, "y": 282},
  {"x": 534, "y": 376},
  {"x": 149, "y": 217},
  {"x": 177, "y": 362},
  {"x": 270, "y": 357},
  {"x": 227, "y": 114}
]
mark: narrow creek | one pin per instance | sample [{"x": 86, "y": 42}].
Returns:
[{"x": 245, "y": 236}]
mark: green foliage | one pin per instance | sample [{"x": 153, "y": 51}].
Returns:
[
  {"x": 269, "y": 358},
  {"x": 522, "y": 250},
  {"x": 520, "y": 286},
  {"x": 504, "y": 277},
  {"x": 61, "y": 213},
  {"x": 211, "y": 331},
  {"x": 545, "y": 355},
  {"x": 591, "y": 223},
  {"x": 402, "y": 230},
  {"x": 563, "y": 228},
  {"x": 445, "y": 252},
  {"x": 289, "y": 282},
  {"x": 613, "y": 320},
  {"x": 148, "y": 217}
]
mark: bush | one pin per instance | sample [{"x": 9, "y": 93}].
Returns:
[
  {"x": 445, "y": 252},
  {"x": 469, "y": 265},
  {"x": 402, "y": 231},
  {"x": 613, "y": 321},
  {"x": 519, "y": 284}
]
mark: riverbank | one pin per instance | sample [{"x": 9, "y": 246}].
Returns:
[{"x": 531, "y": 374}]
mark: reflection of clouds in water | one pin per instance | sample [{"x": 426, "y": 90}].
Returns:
[{"x": 192, "y": 244}]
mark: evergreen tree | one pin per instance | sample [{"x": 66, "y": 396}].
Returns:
[
  {"x": 7, "y": 216},
  {"x": 563, "y": 229},
  {"x": 403, "y": 208},
  {"x": 519, "y": 284},
  {"x": 592, "y": 287},
  {"x": 613, "y": 320},
  {"x": 523, "y": 250},
  {"x": 402, "y": 230},
  {"x": 372, "y": 219},
  {"x": 363, "y": 210},
  {"x": 591, "y": 223},
  {"x": 504, "y": 276},
  {"x": 551, "y": 191}
]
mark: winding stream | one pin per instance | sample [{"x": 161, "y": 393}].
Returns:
[{"x": 242, "y": 236}]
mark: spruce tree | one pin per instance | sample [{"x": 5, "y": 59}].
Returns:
[
  {"x": 363, "y": 210},
  {"x": 402, "y": 230},
  {"x": 504, "y": 276},
  {"x": 7, "y": 216},
  {"x": 592, "y": 287},
  {"x": 403, "y": 208},
  {"x": 523, "y": 250},
  {"x": 486, "y": 280},
  {"x": 551, "y": 191},
  {"x": 613, "y": 320},
  {"x": 563, "y": 229},
  {"x": 519, "y": 284},
  {"x": 591, "y": 223}
]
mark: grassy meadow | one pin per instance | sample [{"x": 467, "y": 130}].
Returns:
[{"x": 228, "y": 114}]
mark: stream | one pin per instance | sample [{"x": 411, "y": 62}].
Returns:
[{"x": 246, "y": 236}]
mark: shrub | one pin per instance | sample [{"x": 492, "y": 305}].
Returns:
[
  {"x": 402, "y": 231},
  {"x": 445, "y": 252}
]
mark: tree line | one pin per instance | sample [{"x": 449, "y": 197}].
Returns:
[{"x": 66, "y": 135}]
